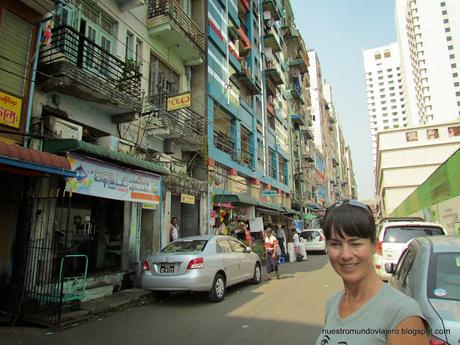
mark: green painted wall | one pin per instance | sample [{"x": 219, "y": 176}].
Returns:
[{"x": 442, "y": 185}]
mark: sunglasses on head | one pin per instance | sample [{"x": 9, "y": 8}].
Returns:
[{"x": 354, "y": 203}]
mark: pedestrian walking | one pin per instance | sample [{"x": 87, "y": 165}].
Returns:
[
  {"x": 247, "y": 234},
  {"x": 297, "y": 250},
  {"x": 281, "y": 237},
  {"x": 365, "y": 303},
  {"x": 271, "y": 245}
]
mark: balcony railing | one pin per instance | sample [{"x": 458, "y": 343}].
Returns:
[
  {"x": 246, "y": 157},
  {"x": 224, "y": 142},
  {"x": 183, "y": 124},
  {"x": 283, "y": 177},
  {"x": 174, "y": 11},
  {"x": 271, "y": 171},
  {"x": 71, "y": 48},
  {"x": 273, "y": 70}
]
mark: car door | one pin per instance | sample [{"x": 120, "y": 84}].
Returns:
[
  {"x": 243, "y": 259},
  {"x": 404, "y": 271},
  {"x": 230, "y": 264}
]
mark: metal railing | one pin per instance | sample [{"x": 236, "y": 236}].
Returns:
[
  {"x": 176, "y": 13},
  {"x": 224, "y": 142},
  {"x": 246, "y": 157},
  {"x": 184, "y": 121},
  {"x": 68, "y": 45},
  {"x": 271, "y": 171}
]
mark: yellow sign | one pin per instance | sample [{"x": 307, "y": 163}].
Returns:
[
  {"x": 180, "y": 101},
  {"x": 187, "y": 199},
  {"x": 10, "y": 110}
]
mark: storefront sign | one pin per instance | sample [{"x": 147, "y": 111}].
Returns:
[
  {"x": 110, "y": 181},
  {"x": 180, "y": 101},
  {"x": 268, "y": 193},
  {"x": 187, "y": 199},
  {"x": 10, "y": 110}
]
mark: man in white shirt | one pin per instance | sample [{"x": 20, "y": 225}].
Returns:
[
  {"x": 297, "y": 249},
  {"x": 174, "y": 229}
]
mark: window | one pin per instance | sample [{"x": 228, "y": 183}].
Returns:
[
  {"x": 223, "y": 246},
  {"x": 445, "y": 21},
  {"x": 163, "y": 81},
  {"x": 455, "y": 75},
  {"x": 449, "y": 38},
  {"x": 411, "y": 136},
  {"x": 447, "y": 29},
  {"x": 377, "y": 56},
  {"x": 129, "y": 46},
  {"x": 237, "y": 246},
  {"x": 387, "y": 54},
  {"x": 15, "y": 40},
  {"x": 444, "y": 12},
  {"x": 432, "y": 133},
  {"x": 453, "y": 131}
]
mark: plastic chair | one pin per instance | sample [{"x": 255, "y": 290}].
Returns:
[{"x": 281, "y": 260}]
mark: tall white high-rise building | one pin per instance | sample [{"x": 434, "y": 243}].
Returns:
[
  {"x": 385, "y": 93},
  {"x": 429, "y": 40}
]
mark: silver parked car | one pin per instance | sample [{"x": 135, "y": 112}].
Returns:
[
  {"x": 200, "y": 263},
  {"x": 429, "y": 272}
]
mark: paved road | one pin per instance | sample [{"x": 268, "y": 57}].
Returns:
[{"x": 288, "y": 311}]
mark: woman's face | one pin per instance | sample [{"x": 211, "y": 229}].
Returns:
[{"x": 351, "y": 257}]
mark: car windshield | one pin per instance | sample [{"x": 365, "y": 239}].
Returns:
[
  {"x": 444, "y": 276},
  {"x": 184, "y": 246},
  {"x": 403, "y": 234}
]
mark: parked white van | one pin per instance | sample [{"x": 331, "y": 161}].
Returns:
[{"x": 394, "y": 235}]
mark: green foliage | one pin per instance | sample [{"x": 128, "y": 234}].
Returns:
[{"x": 259, "y": 248}]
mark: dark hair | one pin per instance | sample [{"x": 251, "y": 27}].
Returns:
[
  {"x": 349, "y": 220},
  {"x": 172, "y": 219}
]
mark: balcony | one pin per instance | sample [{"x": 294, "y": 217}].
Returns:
[
  {"x": 40, "y": 6},
  {"x": 271, "y": 172},
  {"x": 335, "y": 162},
  {"x": 307, "y": 155},
  {"x": 126, "y": 5},
  {"x": 246, "y": 78},
  {"x": 300, "y": 62},
  {"x": 246, "y": 158},
  {"x": 168, "y": 21},
  {"x": 272, "y": 7},
  {"x": 245, "y": 44},
  {"x": 295, "y": 91},
  {"x": 298, "y": 120},
  {"x": 271, "y": 110},
  {"x": 243, "y": 6},
  {"x": 307, "y": 132},
  {"x": 224, "y": 142},
  {"x": 75, "y": 65},
  {"x": 271, "y": 39},
  {"x": 183, "y": 125},
  {"x": 273, "y": 71}
]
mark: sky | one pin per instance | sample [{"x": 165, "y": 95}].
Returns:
[{"x": 339, "y": 31}]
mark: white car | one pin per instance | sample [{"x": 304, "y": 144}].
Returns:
[
  {"x": 394, "y": 235},
  {"x": 200, "y": 263},
  {"x": 314, "y": 240}
]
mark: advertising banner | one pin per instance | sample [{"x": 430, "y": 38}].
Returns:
[
  {"x": 105, "y": 180},
  {"x": 180, "y": 101},
  {"x": 10, "y": 110}
]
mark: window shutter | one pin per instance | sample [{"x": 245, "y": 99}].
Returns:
[{"x": 15, "y": 40}]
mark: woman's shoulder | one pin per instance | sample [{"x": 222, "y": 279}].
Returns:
[{"x": 397, "y": 305}]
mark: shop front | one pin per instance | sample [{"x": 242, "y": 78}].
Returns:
[{"x": 27, "y": 182}]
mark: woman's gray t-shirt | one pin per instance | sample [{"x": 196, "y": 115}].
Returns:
[{"x": 372, "y": 323}]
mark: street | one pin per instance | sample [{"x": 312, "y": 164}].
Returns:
[{"x": 285, "y": 311}]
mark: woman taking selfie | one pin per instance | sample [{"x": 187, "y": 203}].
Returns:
[{"x": 366, "y": 311}]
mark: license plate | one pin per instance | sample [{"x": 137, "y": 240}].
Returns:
[{"x": 167, "y": 268}]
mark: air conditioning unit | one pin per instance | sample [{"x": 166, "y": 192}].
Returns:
[
  {"x": 116, "y": 144},
  {"x": 64, "y": 129}
]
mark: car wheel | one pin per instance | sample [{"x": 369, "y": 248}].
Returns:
[
  {"x": 257, "y": 278},
  {"x": 218, "y": 288},
  {"x": 160, "y": 295}
]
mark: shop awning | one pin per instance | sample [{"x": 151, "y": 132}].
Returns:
[
  {"x": 315, "y": 207},
  {"x": 291, "y": 211},
  {"x": 235, "y": 199},
  {"x": 66, "y": 145},
  {"x": 16, "y": 156},
  {"x": 309, "y": 216}
]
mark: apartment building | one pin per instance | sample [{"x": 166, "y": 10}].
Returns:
[
  {"x": 408, "y": 156},
  {"x": 385, "y": 93},
  {"x": 428, "y": 34}
]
